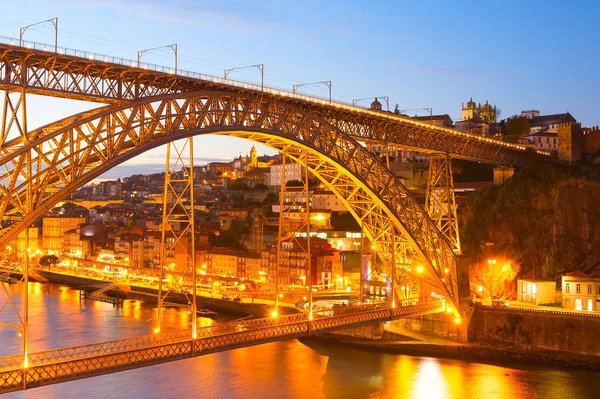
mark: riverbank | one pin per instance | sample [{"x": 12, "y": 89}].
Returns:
[{"x": 471, "y": 352}]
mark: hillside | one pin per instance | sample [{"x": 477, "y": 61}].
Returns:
[{"x": 546, "y": 218}]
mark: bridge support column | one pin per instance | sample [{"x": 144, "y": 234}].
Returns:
[
  {"x": 14, "y": 123},
  {"x": 440, "y": 203},
  {"x": 178, "y": 227},
  {"x": 294, "y": 219}
]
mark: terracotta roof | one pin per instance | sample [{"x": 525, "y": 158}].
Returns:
[
  {"x": 545, "y": 120},
  {"x": 577, "y": 273}
]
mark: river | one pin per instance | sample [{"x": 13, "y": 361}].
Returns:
[{"x": 287, "y": 369}]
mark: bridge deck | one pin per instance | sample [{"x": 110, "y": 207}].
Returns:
[
  {"x": 66, "y": 364},
  {"x": 68, "y": 73}
]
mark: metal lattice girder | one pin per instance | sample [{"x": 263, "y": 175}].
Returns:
[
  {"x": 107, "y": 138},
  {"x": 178, "y": 225},
  {"x": 440, "y": 202},
  {"x": 77, "y": 77},
  {"x": 67, "y": 364}
]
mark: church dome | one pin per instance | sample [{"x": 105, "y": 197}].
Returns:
[{"x": 471, "y": 103}]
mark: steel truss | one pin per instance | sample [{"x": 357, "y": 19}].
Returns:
[
  {"x": 66, "y": 364},
  {"x": 440, "y": 202},
  {"x": 76, "y": 76},
  {"x": 294, "y": 218},
  {"x": 178, "y": 228},
  {"x": 73, "y": 152}
]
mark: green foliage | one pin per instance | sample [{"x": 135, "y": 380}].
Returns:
[
  {"x": 344, "y": 222},
  {"x": 239, "y": 185},
  {"x": 485, "y": 209},
  {"x": 231, "y": 238},
  {"x": 260, "y": 187},
  {"x": 518, "y": 126}
]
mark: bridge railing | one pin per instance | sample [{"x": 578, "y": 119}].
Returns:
[
  {"x": 214, "y": 79},
  {"x": 110, "y": 347},
  {"x": 324, "y": 320}
]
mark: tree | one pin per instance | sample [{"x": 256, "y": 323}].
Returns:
[
  {"x": 294, "y": 183},
  {"x": 517, "y": 126},
  {"x": 260, "y": 187},
  {"x": 239, "y": 185}
]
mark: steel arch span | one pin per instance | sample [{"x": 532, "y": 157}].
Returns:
[{"x": 61, "y": 157}]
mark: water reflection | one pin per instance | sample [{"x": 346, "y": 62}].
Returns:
[{"x": 287, "y": 369}]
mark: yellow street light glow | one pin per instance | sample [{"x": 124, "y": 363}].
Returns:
[
  {"x": 446, "y": 270},
  {"x": 373, "y": 246},
  {"x": 457, "y": 320},
  {"x": 274, "y": 313},
  {"x": 420, "y": 269},
  {"x": 156, "y": 330},
  {"x": 280, "y": 295},
  {"x": 449, "y": 309}
]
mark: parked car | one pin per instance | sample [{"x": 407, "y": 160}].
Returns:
[
  {"x": 238, "y": 299},
  {"x": 226, "y": 297}
]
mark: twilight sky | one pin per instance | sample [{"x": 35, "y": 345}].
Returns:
[{"x": 516, "y": 54}]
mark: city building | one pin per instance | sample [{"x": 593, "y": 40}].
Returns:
[
  {"x": 54, "y": 227},
  {"x": 292, "y": 172},
  {"x": 546, "y": 123},
  {"x": 327, "y": 200},
  {"x": 486, "y": 113},
  {"x": 443, "y": 120},
  {"x": 537, "y": 292},
  {"x": 580, "y": 291}
]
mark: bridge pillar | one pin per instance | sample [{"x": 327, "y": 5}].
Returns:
[
  {"x": 502, "y": 174},
  {"x": 294, "y": 218},
  {"x": 178, "y": 227},
  {"x": 440, "y": 203},
  {"x": 14, "y": 123}
]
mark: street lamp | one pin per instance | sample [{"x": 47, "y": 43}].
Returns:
[
  {"x": 325, "y": 82},
  {"x": 171, "y": 46},
  {"x": 54, "y": 21},
  {"x": 261, "y": 68},
  {"x": 386, "y": 98}
]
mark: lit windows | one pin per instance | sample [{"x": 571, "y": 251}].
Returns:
[
  {"x": 578, "y": 288},
  {"x": 567, "y": 288}
]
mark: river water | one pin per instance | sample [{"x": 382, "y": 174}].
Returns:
[{"x": 287, "y": 369}]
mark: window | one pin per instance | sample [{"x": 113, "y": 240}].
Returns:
[
  {"x": 567, "y": 287},
  {"x": 589, "y": 288},
  {"x": 598, "y": 289},
  {"x": 578, "y": 288}
]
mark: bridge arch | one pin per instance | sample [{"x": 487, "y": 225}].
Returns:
[{"x": 61, "y": 157}]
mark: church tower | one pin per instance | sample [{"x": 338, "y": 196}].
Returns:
[{"x": 253, "y": 158}]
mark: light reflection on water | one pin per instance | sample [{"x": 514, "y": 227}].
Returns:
[{"x": 287, "y": 369}]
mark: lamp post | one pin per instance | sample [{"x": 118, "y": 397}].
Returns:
[
  {"x": 171, "y": 46},
  {"x": 54, "y": 22},
  {"x": 261, "y": 68},
  {"x": 386, "y": 98},
  {"x": 325, "y": 82}
]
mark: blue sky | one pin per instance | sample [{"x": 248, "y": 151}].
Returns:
[{"x": 516, "y": 54}]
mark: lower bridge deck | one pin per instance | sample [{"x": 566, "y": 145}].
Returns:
[{"x": 66, "y": 364}]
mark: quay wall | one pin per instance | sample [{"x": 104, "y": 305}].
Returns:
[{"x": 535, "y": 329}]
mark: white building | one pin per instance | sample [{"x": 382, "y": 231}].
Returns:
[
  {"x": 545, "y": 141},
  {"x": 293, "y": 171},
  {"x": 327, "y": 200},
  {"x": 536, "y": 291},
  {"x": 580, "y": 291}
]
